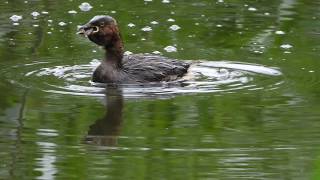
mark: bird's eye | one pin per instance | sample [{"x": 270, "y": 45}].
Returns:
[{"x": 95, "y": 29}]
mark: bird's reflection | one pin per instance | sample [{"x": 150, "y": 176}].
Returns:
[{"x": 105, "y": 130}]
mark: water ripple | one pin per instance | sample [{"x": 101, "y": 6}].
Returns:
[{"x": 203, "y": 77}]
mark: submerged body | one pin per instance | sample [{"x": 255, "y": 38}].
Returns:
[
  {"x": 141, "y": 69},
  {"x": 117, "y": 68}
]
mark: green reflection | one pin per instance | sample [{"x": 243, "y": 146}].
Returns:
[{"x": 259, "y": 134}]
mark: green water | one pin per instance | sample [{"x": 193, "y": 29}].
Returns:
[{"x": 54, "y": 124}]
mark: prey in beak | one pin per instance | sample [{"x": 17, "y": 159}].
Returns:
[{"x": 87, "y": 30}]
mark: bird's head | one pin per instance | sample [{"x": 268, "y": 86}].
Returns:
[{"x": 102, "y": 30}]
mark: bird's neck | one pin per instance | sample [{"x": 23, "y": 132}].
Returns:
[{"x": 114, "y": 52}]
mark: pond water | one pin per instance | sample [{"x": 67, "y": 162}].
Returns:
[{"x": 252, "y": 113}]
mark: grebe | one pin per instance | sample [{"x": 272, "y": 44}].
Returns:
[{"x": 119, "y": 68}]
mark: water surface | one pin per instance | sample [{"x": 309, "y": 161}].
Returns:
[{"x": 253, "y": 112}]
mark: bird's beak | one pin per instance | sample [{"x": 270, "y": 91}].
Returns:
[{"x": 85, "y": 30}]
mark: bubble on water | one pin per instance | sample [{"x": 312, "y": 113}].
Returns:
[
  {"x": 85, "y": 6},
  {"x": 146, "y": 29},
  {"x": 131, "y": 25},
  {"x": 62, "y": 24},
  {"x": 72, "y": 12},
  {"x": 171, "y": 20},
  {"x": 280, "y": 32},
  {"x": 252, "y": 9},
  {"x": 45, "y": 12},
  {"x": 15, "y": 18},
  {"x": 170, "y": 49},
  {"x": 165, "y": 1},
  {"x": 154, "y": 22},
  {"x": 175, "y": 27},
  {"x": 35, "y": 14},
  {"x": 128, "y": 53},
  {"x": 286, "y": 46}
]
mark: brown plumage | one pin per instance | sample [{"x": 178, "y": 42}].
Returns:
[{"x": 117, "y": 68}]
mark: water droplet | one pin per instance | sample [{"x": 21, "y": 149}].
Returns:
[
  {"x": 170, "y": 49},
  {"x": 35, "y": 14},
  {"x": 128, "y": 53},
  {"x": 15, "y": 18},
  {"x": 72, "y": 12},
  {"x": 131, "y": 25},
  {"x": 146, "y": 29},
  {"x": 62, "y": 24},
  {"x": 154, "y": 22},
  {"x": 252, "y": 9},
  {"x": 286, "y": 46},
  {"x": 174, "y": 27},
  {"x": 156, "y": 52},
  {"x": 257, "y": 52},
  {"x": 280, "y": 32},
  {"x": 85, "y": 6}
]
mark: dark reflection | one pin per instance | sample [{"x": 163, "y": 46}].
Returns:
[{"x": 105, "y": 130}]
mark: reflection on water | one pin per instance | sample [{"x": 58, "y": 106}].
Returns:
[
  {"x": 253, "y": 116},
  {"x": 105, "y": 130}
]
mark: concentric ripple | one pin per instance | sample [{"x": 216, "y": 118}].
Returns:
[{"x": 203, "y": 77}]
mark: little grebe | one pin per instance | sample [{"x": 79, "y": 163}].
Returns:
[{"x": 120, "y": 68}]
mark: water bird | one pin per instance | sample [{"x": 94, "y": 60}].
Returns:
[{"x": 119, "y": 68}]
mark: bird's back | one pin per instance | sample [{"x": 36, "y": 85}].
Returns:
[{"x": 151, "y": 68}]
